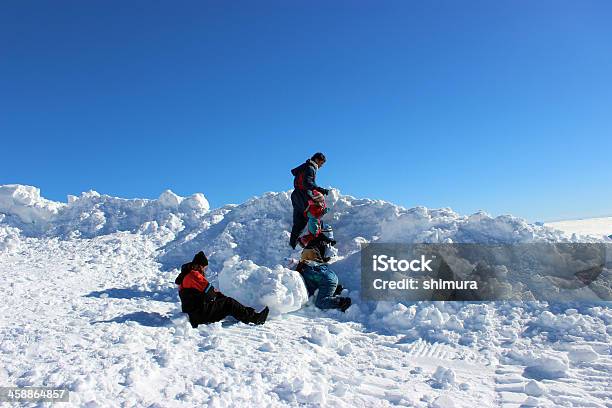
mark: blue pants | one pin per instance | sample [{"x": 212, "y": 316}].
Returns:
[{"x": 322, "y": 278}]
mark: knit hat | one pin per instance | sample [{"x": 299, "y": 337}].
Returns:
[{"x": 200, "y": 259}]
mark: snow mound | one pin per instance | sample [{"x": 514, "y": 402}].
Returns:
[
  {"x": 98, "y": 272},
  {"x": 247, "y": 247},
  {"x": 92, "y": 214}
]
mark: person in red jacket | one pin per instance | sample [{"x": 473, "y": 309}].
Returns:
[
  {"x": 315, "y": 210},
  {"x": 205, "y": 304}
]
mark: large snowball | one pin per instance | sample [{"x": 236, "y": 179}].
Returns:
[{"x": 281, "y": 289}]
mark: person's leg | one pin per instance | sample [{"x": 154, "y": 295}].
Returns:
[
  {"x": 314, "y": 226},
  {"x": 327, "y": 287},
  {"x": 299, "y": 220},
  {"x": 304, "y": 240},
  {"x": 311, "y": 279},
  {"x": 227, "y": 306}
]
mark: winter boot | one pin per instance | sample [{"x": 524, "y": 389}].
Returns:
[
  {"x": 261, "y": 317},
  {"x": 345, "y": 303}
]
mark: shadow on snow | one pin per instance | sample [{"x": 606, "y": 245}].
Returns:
[
  {"x": 150, "y": 319},
  {"x": 132, "y": 293}
]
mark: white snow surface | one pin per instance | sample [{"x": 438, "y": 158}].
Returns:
[
  {"x": 89, "y": 304},
  {"x": 598, "y": 227}
]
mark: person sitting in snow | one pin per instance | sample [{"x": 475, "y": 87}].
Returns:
[
  {"x": 205, "y": 304},
  {"x": 318, "y": 275},
  {"x": 304, "y": 185},
  {"x": 315, "y": 210}
]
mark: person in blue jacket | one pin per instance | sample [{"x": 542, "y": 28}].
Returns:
[
  {"x": 318, "y": 275},
  {"x": 304, "y": 185}
]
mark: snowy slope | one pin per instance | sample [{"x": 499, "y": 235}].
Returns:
[
  {"x": 89, "y": 304},
  {"x": 599, "y": 227}
]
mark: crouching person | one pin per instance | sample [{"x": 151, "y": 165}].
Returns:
[
  {"x": 205, "y": 304},
  {"x": 318, "y": 275}
]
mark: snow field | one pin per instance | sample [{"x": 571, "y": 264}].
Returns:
[{"x": 89, "y": 304}]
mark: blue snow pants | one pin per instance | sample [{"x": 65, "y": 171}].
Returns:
[{"x": 322, "y": 278}]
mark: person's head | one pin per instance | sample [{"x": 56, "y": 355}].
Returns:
[
  {"x": 200, "y": 262},
  {"x": 318, "y": 158}
]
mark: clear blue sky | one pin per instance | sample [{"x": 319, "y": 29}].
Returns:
[{"x": 504, "y": 106}]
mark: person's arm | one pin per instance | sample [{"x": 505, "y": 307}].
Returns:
[
  {"x": 218, "y": 294},
  {"x": 309, "y": 182},
  {"x": 309, "y": 179}
]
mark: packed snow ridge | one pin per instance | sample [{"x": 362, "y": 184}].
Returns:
[
  {"x": 247, "y": 243},
  {"x": 181, "y": 221},
  {"x": 255, "y": 232}
]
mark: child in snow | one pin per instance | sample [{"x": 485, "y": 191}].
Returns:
[
  {"x": 318, "y": 275},
  {"x": 205, "y": 304},
  {"x": 314, "y": 211}
]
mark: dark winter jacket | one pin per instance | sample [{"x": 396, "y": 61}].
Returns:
[
  {"x": 305, "y": 178},
  {"x": 194, "y": 289}
]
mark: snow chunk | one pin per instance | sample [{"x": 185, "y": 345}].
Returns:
[
  {"x": 443, "y": 377},
  {"x": 170, "y": 200},
  {"x": 583, "y": 354},
  {"x": 443, "y": 401},
  {"x": 531, "y": 402},
  {"x": 9, "y": 238},
  {"x": 25, "y": 203},
  {"x": 319, "y": 336},
  {"x": 267, "y": 347},
  {"x": 281, "y": 289},
  {"x": 196, "y": 202},
  {"x": 547, "y": 367},
  {"x": 569, "y": 326},
  {"x": 535, "y": 388}
]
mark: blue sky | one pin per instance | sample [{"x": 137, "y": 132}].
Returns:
[{"x": 502, "y": 106}]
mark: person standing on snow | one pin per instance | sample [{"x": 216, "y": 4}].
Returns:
[
  {"x": 304, "y": 186},
  {"x": 315, "y": 210},
  {"x": 205, "y": 304}
]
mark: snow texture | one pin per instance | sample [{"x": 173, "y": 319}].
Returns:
[{"x": 89, "y": 304}]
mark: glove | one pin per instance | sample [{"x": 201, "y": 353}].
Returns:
[{"x": 323, "y": 191}]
